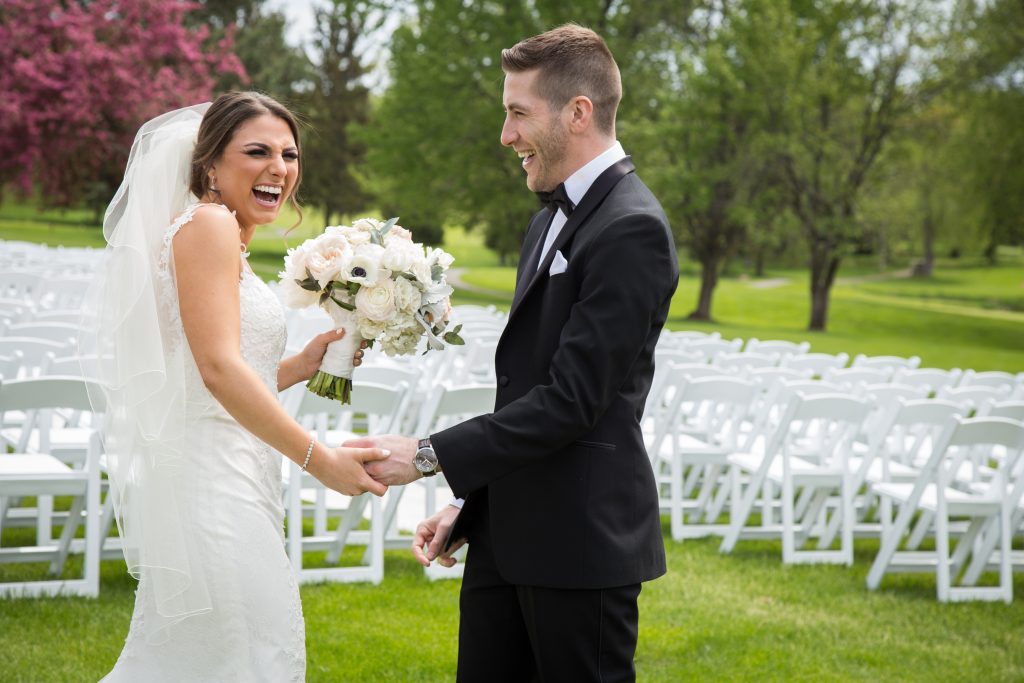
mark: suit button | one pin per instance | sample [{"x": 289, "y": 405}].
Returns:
[{"x": 503, "y": 381}]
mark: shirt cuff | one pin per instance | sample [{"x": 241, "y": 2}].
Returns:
[{"x": 457, "y": 502}]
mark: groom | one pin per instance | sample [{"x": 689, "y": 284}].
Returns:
[{"x": 561, "y": 509}]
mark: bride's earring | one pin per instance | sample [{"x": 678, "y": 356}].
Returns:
[{"x": 213, "y": 184}]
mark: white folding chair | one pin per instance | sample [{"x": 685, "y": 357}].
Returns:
[
  {"x": 806, "y": 452},
  {"x": 10, "y": 365},
  {"x": 817, "y": 363},
  {"x": 44, "y": 476},
  {"x": 702, "y": 426},
  {"x": 744, "y": 361},
  {"x": 896, "y": 450},
  {"x": 935, "y": 379},
  {"x": 34, "y": 352},
  {"x": 976, "y": 398},
  {"x": 712, "y": 347},
  {"x": 382, "y": 407},
  {"x": 62, "y": 333},
  {"x": 680, "y": 338},
  {"x": 445, "y": 407},
  {"x": 988, "y": 507},
  {"x": 996, "y": 379},
  {"x": 889, "y": 364},
  {"x": 856, "y": 377},
  {"x": 777, "y": 347}
]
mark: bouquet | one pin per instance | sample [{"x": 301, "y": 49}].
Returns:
[{"x": 378, "y": 285}]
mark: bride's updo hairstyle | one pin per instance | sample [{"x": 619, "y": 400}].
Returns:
[{"x": 220, "y": 123}]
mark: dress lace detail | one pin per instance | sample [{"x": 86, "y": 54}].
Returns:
[{"x": 233, "y": 491}]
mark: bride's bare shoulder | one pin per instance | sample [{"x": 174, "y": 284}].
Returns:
[{"x": 211, "y": 231}]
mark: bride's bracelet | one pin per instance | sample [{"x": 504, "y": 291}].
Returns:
[{"x": 309, "y": 453}]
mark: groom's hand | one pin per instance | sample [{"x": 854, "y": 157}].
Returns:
[
  {"x": 431, "y": 533},
  {"x": 395, "y": 470}
]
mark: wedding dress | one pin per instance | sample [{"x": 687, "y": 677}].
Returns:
[{"x": 227, "y": 491}]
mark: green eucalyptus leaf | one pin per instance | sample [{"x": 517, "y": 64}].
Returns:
[{"x": 386, "y": 228}]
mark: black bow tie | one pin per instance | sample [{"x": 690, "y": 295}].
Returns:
[{"x": 557, "y": 199}]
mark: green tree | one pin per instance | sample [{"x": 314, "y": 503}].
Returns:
[
  {"x": 987, "y": 67},
  {"x": 339, "y": 101},
  {"x": 271, "y": 64},
  {"x": 433, "y": 146},
  {"x": 433, "y": 142},
  {"x": 847, "y": 86}
]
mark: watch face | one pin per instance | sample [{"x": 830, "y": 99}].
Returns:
[{"x": 425, "y": 460}]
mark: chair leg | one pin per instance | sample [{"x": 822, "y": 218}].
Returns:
[
  {"x": 348, "y": 522},
  {"x": 891, "y": 536},
  {"x": 1006, "y": 549},
  {"x": 67, "y": 533},
  {"x": 739, "y": 508},
  {"x": 970, "y": 545},
  {"x": 676, "y": 485},
  {"x": 924, "y": 524},
  {"x": 942, "y": 578}
]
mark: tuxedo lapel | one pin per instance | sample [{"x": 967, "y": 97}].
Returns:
[
  {"x": 591, "y": 200},
  {"x": 532, "y": 246}
]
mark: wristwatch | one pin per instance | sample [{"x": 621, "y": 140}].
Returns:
[{"x": 425, "y": 459}]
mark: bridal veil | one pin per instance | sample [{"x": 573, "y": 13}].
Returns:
[{"x": 143, "y": 361}]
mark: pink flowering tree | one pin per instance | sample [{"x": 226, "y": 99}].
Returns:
[{"x": 80, "y": 77}]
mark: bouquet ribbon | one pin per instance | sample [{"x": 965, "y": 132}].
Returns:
[{"x": 334, "y": 378}]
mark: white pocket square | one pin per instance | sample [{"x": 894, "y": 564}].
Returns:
[{"x": 558, "y": 265}]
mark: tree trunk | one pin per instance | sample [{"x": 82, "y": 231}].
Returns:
[
  {"x": 759, "y": 257},
  {"x": 708, "y": 280},
  {"x": 926, "y": 265},
  {"x": 824, "y": 264},
  {"x": 991, "y": 251}
]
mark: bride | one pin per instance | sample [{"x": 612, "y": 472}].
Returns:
[{"x": 193, "y": 342}]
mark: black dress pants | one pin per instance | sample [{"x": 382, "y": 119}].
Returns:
[{"x": 521, "y": 634}]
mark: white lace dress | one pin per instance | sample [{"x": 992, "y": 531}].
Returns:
[{"x": 254, "y": 631}]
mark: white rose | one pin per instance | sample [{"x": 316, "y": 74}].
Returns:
[
  {"x": 296, "y": 264},
  {"x": 370, "y": 329},
  {"x": 407, "y": 296},
  {"x": 400, "y": 255},
  {"x": 331, "y": 259},
  {"x": 377, "y": 303},
  {"x": 398, "y": 232},
  {"x": 367, "y": 224},
  {"x": 297, "y": 259},
  {"x": 352, "y": 235},
  {"x": 297, "y": 297}
]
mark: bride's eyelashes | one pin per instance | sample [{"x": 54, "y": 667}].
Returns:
[{"x": 261, "y": 151}]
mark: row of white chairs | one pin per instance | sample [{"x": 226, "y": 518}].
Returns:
[
  {"x": 57, "y": 451},
  {"x": 819, "y": 463}
]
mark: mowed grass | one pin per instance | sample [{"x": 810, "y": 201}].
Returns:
[{"x": 713, "y": 617}]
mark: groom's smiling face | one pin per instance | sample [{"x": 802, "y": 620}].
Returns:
[{"x": 535, "y": 131}]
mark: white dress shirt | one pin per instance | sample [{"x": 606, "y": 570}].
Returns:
[{"x": 576, "y": 186}]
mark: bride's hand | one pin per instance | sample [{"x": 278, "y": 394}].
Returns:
[
  {"x": 313, "y": 354},
  {"x": 341, "y": 469}
]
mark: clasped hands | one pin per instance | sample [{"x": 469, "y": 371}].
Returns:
[{"x": 397, "y": 469}]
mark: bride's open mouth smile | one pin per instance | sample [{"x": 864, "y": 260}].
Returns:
[{"x": 267, "y": 195}]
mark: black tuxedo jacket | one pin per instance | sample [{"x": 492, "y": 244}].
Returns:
[{"x": 561, "y": 462}]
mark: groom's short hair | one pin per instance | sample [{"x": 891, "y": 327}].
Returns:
[{"x": 572, "y": 60}]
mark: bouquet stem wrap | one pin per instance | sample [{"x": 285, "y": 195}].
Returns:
[{"x": 334, "y": 378}]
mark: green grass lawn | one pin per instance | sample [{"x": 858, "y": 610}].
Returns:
[
  {"x": 739, "y": 617},
  {"x": 713, "y": 617}
]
